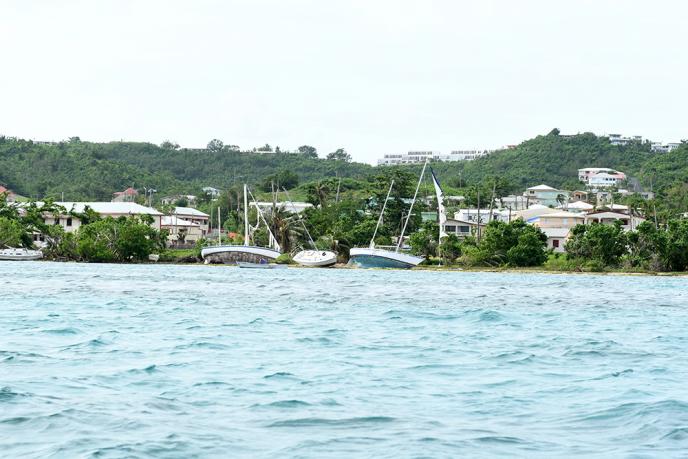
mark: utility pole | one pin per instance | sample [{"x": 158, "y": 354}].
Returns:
[{"x": 478, "y": 215}]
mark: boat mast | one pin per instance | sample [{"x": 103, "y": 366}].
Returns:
[
  {"x": 300, "y": 219},
  {"x": 382, "y": 213},
  {"x": 410, "y": 212},
  {"x": 245, "y": 217},
  {"x": 219, "y": 228}
]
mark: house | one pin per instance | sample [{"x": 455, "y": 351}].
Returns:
[
  {"x": 194, "y": 216},
  {"x": 556, "y": 226},
  {"x": 533, "y": 213},
  {"x": 605, "y": 180},
  {"x": 545, "y": 195},
  {"x": 180, "y": 230},
  {"x": 189, "y": 198},
  {"x": 461, "y": 228},
  {"x": 513, "y": 202},
  {"x": 664, "y": 148},
  {"x": 628, "y": 222},
  {"x": 214, "y": 193},
  {"x": 579, "y": 195},
  {"x": 290, "y": 206},
  {"x": 71, "y": 223},
  {"x": 9, "y": 195},
  {"x": 600, "y": 177},
  {"x": 618, "y": 139},
  {"x": 577, "y": 206},
  {"x": 556, "y": 238},
  {"x": 481, "y": 215},
  {"x": 560, "y": 220},
  {"x": 128, "y": 195}
]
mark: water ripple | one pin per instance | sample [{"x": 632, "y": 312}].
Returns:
[{"x": 209, "y": 361}]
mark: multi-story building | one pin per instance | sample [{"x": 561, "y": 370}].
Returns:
[
  {"x": 664, "y": 148},
  {"x": 415, "y": 157},
  {"x": 618, "y": 139},
  {"x": 600, "y": 177},
  {"x": 545, "y": 195},
  {"x": 193, "y": 216}
]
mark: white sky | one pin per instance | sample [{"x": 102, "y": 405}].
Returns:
[{"x": 374, "y": 77}]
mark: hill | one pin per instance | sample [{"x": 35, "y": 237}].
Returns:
[{"x": 87, "y": 170}]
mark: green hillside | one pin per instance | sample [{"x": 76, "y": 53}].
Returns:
[{"x": 87, "y": 170}]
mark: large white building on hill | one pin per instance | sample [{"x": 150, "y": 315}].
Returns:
[{"x": 416, "y": 157}]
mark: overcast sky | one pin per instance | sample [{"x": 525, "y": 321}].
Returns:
[{"x": 372, "y": 76}]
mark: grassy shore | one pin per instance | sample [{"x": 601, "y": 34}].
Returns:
[{"x": 187, "y": 256}]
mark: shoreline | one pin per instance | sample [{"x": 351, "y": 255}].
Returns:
[{"x": 532, "y": 270}]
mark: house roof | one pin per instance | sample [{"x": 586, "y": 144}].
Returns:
[
  {"x": 3, "y": 189},
  {"x": 616, "y": 207},
  {"x": 615, "y": 215},
  {"x": 556, "y": 232},
  {"x": 542, "y": 187},
  {"x": 580, "y": 205},
  {"x": 128, "y": 191},
  {"x": 454, "y": 221},
  {"x": 168, "y": 220},
  {"x": 110, "y": 208},
  {"x": 189, "y": 211},
  {"x": 564, "y": 214}
]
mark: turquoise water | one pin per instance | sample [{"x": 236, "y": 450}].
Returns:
[{"x": 205, "y": 361}]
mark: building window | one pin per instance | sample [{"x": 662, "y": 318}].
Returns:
[
  {"x": 555, "y": 243},
  {"x": 69, "y": 221},
  {"x": 464, "y": 229},
  {"x": 450, "y": 229}
]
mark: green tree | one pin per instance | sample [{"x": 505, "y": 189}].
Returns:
[
  {"x": 11, "y": 232},
  {"x": 605, "y": 244},
  {"x": 215, "y": 145},
  {"x": 424, "y": 242},
  {"x": 530, "y": 250},
  {"x": 677, "y": 245},
  {"x": 450, "y": 248},
  {"x": 308, "y": 151},
  {"x": 339, "y": 155}
]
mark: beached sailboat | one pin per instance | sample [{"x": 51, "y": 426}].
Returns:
[
  {"x": 13, "y": 254},
  {"x": 246, "y": 253},
  {"x": 372, "y": 257},
  {"x": 313, "y": 258}
]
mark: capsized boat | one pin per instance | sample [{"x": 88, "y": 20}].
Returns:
[
  {"x": 13, "y": 254},
  {"x": 372, "y": 257},
  {"x": 315, "y": 258},
  {"x": 243, "y": 253}
]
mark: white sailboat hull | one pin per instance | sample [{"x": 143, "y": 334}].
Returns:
[
  {"x": 236, "y": 253},
  {"x": 20, "y": 254},
  {"x": 380, "y": 258},
  {"x": 316, "y": 258}
]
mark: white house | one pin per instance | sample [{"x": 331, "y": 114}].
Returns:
[
  {"x": 461, "y": 228},
  {"x": 71, "y": 223},
  {"x": 180, "y": 229},
  {"x": 194, "y": 216},
  {"x": 294, "y": 207},
  {"x": 628, "y": 222},
  {"x": 481, "y": 215},
  {"x": 545, "y": 195},
  {"x": 600, "y": 177}
]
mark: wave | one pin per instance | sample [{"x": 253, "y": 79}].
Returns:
[{"x": 365, "y": 421}]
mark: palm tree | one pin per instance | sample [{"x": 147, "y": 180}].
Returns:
[{"x": 286, "y": 228}]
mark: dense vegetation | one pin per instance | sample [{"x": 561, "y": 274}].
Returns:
[{"x": 93, "y": 171}]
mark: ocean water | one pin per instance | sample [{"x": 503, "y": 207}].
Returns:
[{"x": 115, "y": 361}]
